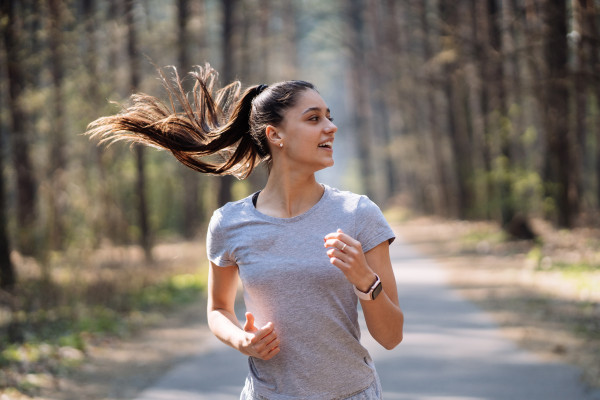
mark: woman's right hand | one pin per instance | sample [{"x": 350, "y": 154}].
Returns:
[{"x": 260, "y": 343}]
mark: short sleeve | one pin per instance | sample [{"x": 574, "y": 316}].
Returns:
[
  {"x": 217, "y": 243},
  {"x": 371, "y": 226}
]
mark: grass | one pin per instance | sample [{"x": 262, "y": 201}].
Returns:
[{"x": 54, "y": 313}]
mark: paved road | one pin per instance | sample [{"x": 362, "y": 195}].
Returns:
[{"x": 451, "y": 350}]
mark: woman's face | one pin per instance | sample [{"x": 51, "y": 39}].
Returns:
[{"x": 307, "y": 133}]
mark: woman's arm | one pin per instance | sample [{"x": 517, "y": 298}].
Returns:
[
  {"x": 249, "y": 340},
  {"x": 383, "y": 315}
]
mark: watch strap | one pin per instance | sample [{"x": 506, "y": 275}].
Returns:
[{"x": 373, "y": 291}]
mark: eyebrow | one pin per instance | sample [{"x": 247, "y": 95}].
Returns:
[{"x": 315, "y": 109}]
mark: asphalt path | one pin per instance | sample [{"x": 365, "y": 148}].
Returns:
[{"x": 451, "y": 350}]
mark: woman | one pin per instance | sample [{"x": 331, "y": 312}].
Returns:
[{"x": 305, "y": 252}]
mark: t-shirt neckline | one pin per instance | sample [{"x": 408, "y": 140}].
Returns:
[{"x": 313, "y": 209}]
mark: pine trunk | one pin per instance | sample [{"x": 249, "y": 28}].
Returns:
[
  {"x": 7, "y": 270},
  {"x": 190, "y": 178},
  {"x": 359, "y": 90},
  {"x": 134, "y": 79},
  {"x": 58, "y": 159},
  {"x": 556, "y": 105},
  {"x": 18, "y": 134},
  {"x": 224, "y": 194}
]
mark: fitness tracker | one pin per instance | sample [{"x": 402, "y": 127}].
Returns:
[{"x": 373, "y": 292}]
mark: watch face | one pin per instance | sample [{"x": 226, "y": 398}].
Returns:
[{"x": 376, "y": 291}]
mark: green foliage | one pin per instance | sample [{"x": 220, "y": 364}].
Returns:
[
  {"x": 56, "y": 335},
  {"x": 525, "y": 188},
  {"x": 178, "y": 289},
  {"x": 584, "y": 276},
  {"x": 100, "y": 320},
  {"x": 535, "y": 255},
  {"x": 575, "y": 268},
  {"x": 26, "y": 367}
]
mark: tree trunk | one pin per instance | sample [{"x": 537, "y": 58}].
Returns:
[
  {"x": 265, "y": 38},
  {"x": 434, "y": 139},
  {"x": 7, "y": 270},
  {"x": 513, "y": 75},
  {"x": 190, "y": 178},
  {"x": 291, "y": 38},
  {"x": 381, "y": 57},
  {"x": 116, "y": 226},
  {"x": 581, "y": 78},
  {"x": 92, "y": 87},
  {"x": 555, "y": 103},
  {"x": 18, "y": 134},
  {"x": 455, "y": 113},
  {"x": 134, "y": 71},
  {"x": 58, "y": 159},
  {"x": 359, "y": 90},
  {"x": 595, "y": 63},
  {"x": 499, "y": 108},
  {"x": 227, "y": 76}
]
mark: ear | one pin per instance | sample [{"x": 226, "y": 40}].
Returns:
[{"x": 274, "y": 136}]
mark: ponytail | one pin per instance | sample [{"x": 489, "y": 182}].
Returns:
[{"x": 211, "y": 135}]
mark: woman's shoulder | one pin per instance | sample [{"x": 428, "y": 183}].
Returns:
[
  {"x": 231, "y": 211},
  {"x": 352, "y": 202},
  {"x": 346, "y": 196}
]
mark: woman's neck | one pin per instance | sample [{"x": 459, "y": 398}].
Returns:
[{"x": 289, "y": 195}]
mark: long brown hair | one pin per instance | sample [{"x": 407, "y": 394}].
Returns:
[{"x": 220, "y": 132}]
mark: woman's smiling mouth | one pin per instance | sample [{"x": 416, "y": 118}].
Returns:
[{"x": 327, "y": 145}]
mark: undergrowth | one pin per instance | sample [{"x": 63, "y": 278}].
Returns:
[{"x": 47, "y": 322}]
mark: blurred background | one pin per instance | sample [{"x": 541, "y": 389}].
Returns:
[{"x": 470, "y": 109}]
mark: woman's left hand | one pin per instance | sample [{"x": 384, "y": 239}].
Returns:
[{"x": 346, "y": 253}]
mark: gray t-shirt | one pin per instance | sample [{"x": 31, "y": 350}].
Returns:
[{"x": 288, "y": 280}]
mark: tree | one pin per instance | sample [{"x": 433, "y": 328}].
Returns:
[
  {"x": 359, "y": 84},
  {"x": 134, "y": 80},
  {"x": 190, "y": 178},
  {"x": 19, "y": 136},
  {"x": 555, "y": 103},
  {"x": 454, "y": 94},
  {"x": 227, "y": 76},
  {"x": 434, "y": 138},
  {"x": 584, "y": 36},
  {"x": 7, "y": 269},
  {"x": 58, "y": 159}
]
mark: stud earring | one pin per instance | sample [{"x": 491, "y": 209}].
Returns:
[{"x": 280, "y": 144}]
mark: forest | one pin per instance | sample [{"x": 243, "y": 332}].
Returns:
[{"x": 464, "y": 109}]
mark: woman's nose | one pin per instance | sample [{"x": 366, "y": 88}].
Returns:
[{"x": 331, "y": 128}]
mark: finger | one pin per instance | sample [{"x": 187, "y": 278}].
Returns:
[
  {"x": 332, "y": 235},
  {"x": 349, "y": 240},
  {"x": 249, "y": 325},
  {"x": 336, "y": 243},
  {"x": 265, "y": 331},
  {"x": 271, "y": 354},
  {"x": 341, "y": 236},
  {"x": 336, "y": 253},
  {"x": 272, "y": 345},
  {"x": 267, "y": 344},
  {"x": 341, "y": 265}
]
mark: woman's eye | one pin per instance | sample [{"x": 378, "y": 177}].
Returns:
[{"x": 330, "y": 118}]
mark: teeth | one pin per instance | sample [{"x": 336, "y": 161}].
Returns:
[{"x": 326, "y": 144}]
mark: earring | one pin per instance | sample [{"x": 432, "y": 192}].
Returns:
[{"x": 280, "y": 144}]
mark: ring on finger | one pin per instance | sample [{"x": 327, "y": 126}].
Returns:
[{"x": 344, "y": 247}]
